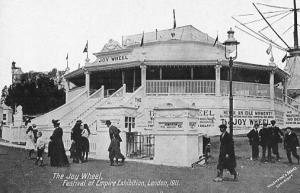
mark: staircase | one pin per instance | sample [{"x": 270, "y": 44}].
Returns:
[{"x": 61, "y": 111}]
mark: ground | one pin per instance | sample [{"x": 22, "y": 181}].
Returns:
[{"x": 18, "y": 174}]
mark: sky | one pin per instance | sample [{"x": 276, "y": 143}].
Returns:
[{"x": 38, "y": 34}]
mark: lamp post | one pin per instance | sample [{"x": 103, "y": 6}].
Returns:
[{"x": 230, "y": 54}]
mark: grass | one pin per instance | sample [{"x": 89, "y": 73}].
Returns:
[{"x": 18, "y": 174}]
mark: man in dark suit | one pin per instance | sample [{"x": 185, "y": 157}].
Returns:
[
  {"x": 254, "y": 141},
  {"x": 277, "y": 138},
  {"x": 114, "y": 131},
  {"x": 266, "y": 141},
  {"x": 290, "y": 144},
  {"x": 226, "y": 156}
]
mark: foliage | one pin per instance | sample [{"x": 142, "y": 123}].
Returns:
[{"x": 36, "y": 92}]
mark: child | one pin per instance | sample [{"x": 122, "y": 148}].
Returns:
[
  {"x": 114, "y": 150},
  {"x": 40, "y": 146}
]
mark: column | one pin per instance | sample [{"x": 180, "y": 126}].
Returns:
[
  {"x": 67, "y": 89},
  {"x": 160, "y": 73},
  {"x": 133, "y": 82},
  {"x": 192, "y": 73},
  {"x": 87, "y": 81},
  {"x": 218, "y": 79},
  {"x": 143, "y": 74},
  {"x": 285, "y": 94},
  {"x": 123, "y": 77},
  {"x": 272, "y": 91}
]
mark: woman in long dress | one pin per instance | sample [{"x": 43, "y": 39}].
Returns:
[{"x": 56, "y": 149}]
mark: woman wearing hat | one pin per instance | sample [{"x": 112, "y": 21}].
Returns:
[
  {"x": 77, "y": 140},
  {"x": 56, "y": 149},
  {"x": 227, "y": 155}
]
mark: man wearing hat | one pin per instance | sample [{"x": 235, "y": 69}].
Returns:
[
  {"x": 114, "y": 131},
  {"x": 254, "y": 141},
  {"x": 277, "y": 138},
  {"x": 265, "y": 135},
  {"x": 227, "y": 155},
  {"x": 290, "y": 144}
]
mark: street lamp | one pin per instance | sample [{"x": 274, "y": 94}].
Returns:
[{"x": 230, "y": 54}]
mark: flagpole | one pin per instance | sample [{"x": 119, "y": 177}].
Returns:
[{"x": 87, "y": 52}]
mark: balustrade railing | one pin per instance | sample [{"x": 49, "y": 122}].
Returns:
[
  {"x": 180, "y": 86},
  {"x": 246, "y": 89}
]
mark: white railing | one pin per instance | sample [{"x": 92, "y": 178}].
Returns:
[
  {"x": 61, "y": 111},
  {"x": 75, "y": 92},
  {"x": 292, "y": 102},
  {"x": 18, "y": 135},
  {"x": 14, "y": 134},
  {"x": 180, "y": 86},
  {"x": 246, "y": 89},
  {"x": 83, "y": 109}
]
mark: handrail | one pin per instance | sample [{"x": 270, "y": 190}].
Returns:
[
  {"x": 120, "y": 90},
  {"x": 134, "y": 93},
  {"x": 61, "y": 107},
  {"x": 290, "y": 101}
]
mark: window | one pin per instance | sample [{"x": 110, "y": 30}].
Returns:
[
  {"x": 129, "y": 123},
  {"x": 4, "y": 117}
]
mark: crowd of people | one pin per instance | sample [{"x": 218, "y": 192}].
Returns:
[
  {"x": 269, "y": 138},
  {"x": 79, "y": 149}
]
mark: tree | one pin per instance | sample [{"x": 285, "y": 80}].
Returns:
[
  {"x": 36, "y": 92},
  {"x": 4, "y": 94}
]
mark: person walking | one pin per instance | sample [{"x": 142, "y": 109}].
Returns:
[
  {"x": 254, "y": 141},
  {"x": 227, "y": 155},
  {"x": 266, "y": 142},
  {"x": 277, "y": 138},
  {"x": 114, "y": 131},
  {"x": 85, "y": 141},
  {"x": 77, "y": 141},
  {"x": 290, "y": 144},
  {"x": 56, "y": 149},
  {"x": 114, "y": 150}
]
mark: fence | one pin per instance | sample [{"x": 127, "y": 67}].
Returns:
[
  {"x": 246, "y": 89},
  {"x": 139, "y": 146},
  {"x": 180, "y": 86},
  {"x": 15, "y": 134}
]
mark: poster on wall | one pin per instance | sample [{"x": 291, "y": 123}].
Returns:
[
  {"x": 292, "y": 119},
  {"x": 244, "y": 119}
]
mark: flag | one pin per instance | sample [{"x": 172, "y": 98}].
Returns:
[
  {"x": 142, "y": 40},
  {"x": 67, "y": 56},
  {"x": 268, "y": 51},
  {"x": 86, "y": 47},
  {"x": 284, "y": 58},
  {"x": 174, "y": 25},
  {"x": 217, "y": 38}
]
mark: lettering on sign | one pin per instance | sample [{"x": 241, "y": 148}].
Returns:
[
  {"x": 206, "y": 118},
  {"x": 169, "y": 125},
  {"x": 245, "y": 119},
  {"x": 112, "y": 58},
  {"x": 292, "y": 119}
]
